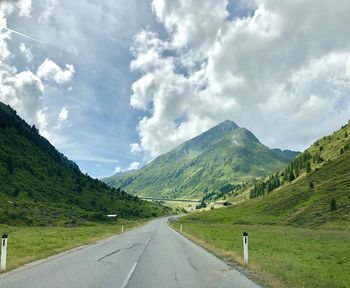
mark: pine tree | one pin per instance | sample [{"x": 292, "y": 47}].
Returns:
[
  {"x": 308, "y": 167},
  {"x": 291, "y": 176}
]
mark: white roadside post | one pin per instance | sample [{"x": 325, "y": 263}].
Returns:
[
  {"x": 245, "y": 247},
  {"x": 181, "y": 228},
  {"x": 122, "y": 228},
  {"x": 3, "y": 251}
]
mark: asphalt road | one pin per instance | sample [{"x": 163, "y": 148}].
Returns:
[{"x": 151, "y": 256}]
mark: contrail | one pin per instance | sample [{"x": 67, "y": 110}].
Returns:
[{"x": 18, "y": 33}]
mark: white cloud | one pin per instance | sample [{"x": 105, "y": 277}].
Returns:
[
  {"x": 49, "y": 8},
  {"x": 191, "y": 22},
  {"x": 49, "y": 70},
  {"x": 135, "y": 148},
  {"x": 26, "y": 51},
  {"x": 282, "y": 72},
  {"x": 117, "y": 169},
  {"x": 63, "y": 115},
  {"x": 24, "y": 90},
  {"x": 25, "y": 8},
  {"x": 134, "y": 166}
]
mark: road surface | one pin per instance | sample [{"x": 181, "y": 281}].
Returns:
[{"x": 151, "y": 256}]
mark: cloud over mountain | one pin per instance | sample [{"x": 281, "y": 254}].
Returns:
[{"x": 281, "y": 68}]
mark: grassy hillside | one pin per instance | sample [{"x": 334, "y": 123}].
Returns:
[
  {"x": 306, "y": 201},
  {"x": 39, "y": 186},
  {"x": 295, "y": 203},
  {"x": 299, "y": 232},
  {"x": 216, "y": 161}
]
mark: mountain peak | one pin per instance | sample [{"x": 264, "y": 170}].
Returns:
[
  {"x": 210, "y": 136},
  {"x": 228, "y": 124}
]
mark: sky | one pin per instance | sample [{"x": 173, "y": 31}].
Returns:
[{"x": 113, "y": 84}]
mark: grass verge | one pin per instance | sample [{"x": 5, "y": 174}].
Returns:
[
  {"x": 281, "y": 256},
  {"x": 27, "y": 244}
]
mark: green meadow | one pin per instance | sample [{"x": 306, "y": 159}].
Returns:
[{"x": 279, "y": 256}]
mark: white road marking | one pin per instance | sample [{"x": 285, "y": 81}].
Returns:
[{"x": 126, "y": 281}]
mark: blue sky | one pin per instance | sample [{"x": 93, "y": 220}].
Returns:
[
  {"x": 114, "y": 84},
  {"x": 95, "y": 39}
]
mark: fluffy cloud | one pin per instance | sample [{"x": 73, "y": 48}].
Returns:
[
  {"x": 49, "y": 70},
  {"x": 281, "y": 70},
  {"x": 49, "y": 8},
  {"x": 117, "y": 169},
  {"x": 134, "y": 166},
  {"x": 183, "y": 20},
  {"x": 26, "y": 51},
  {"x": 63, "y": 115},
  {"x": 25, "y": 8},
  {"x": 25, "y": 90}
]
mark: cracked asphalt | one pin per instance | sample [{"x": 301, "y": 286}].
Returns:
[{"x": 151, "y": 256}]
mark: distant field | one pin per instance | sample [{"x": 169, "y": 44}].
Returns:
[
  {"x": 27, "y": 244},
  {"x": 281, "y": 256}
]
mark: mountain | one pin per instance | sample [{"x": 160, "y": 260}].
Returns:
[
  {"x": 216, "y": 161},
  {"x": 317, "y": 196},
  {"x": 312, "y": 191},
  {"x": 40, "y": 186},
  {"x": 287, "y": 154}
]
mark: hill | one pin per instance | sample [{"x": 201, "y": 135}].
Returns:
[
  {"x": 215, "y": 162},
  {"x": 40, "y": 186},
  {"x": 312, "y": 191}
]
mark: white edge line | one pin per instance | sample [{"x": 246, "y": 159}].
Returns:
[{"x": 126, "y": 281}]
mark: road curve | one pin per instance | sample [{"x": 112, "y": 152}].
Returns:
[{"x": 151, "y": 256}]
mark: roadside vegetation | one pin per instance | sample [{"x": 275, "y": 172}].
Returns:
[
  {"x": 280, "y": 256},
  {"x": 27, "y": 244},
  {"x": 299, "y": 231}
]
